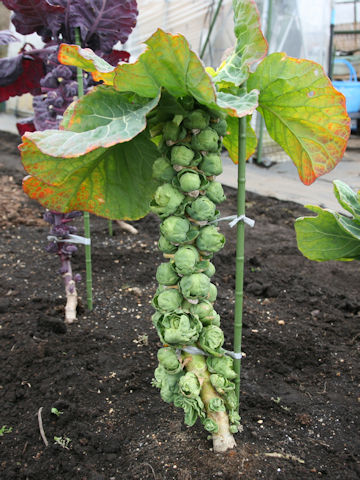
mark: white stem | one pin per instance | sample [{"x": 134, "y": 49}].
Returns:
[
  {"x": 223, "y": 440},
  {"x": 71, "y": 297},
  {"x": 126, "y": 226}
]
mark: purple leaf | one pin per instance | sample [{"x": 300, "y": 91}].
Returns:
[
  {"x": 25, "y": 125},
  {"x": 7, "y": 37},
  {"x": 102, "y": 23},
  {"x": 116, "y": 56},
  {"x": 35, "y": 16},
  {"x": 20, "y": 74}
]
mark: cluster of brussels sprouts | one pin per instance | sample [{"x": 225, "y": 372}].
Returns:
[{"x": 186, "y": 202}]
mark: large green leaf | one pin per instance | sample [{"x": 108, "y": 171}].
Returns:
[
  {"x": 251, "y": 45},
  {"x": 238, "y": 105},
  {"x": 347, "y": 198},
  {"x": 167, "y": 62},
  {"x": 101, "y": 118},
  {"x": 302, "y": 112},
  {"x": 324, "y": 238},
  {"x": 87, "y": 60},
  {"x": 115, "y": 182},
  {"x": 231, "y": 141}
]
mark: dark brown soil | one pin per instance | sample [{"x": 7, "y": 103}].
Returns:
[{"x": 300, "y": 395}]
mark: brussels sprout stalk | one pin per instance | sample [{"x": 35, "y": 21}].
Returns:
[
  {"x": 185, "y": 316},
  {"x": 222, "y": 440}
]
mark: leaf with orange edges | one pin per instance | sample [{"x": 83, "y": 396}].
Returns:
[
  {"x": 303, "y": 113},
  {"x": 87, "y": 60},
  {"x": 114, "y": 183}
]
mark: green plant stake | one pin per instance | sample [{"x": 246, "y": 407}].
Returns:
[
  {"x": 110, "y": 226},
  {"x": 240, "y": 246},
  {"x": 88, "y": 265}
]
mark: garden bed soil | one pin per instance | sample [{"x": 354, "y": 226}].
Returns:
[{"x": 300, "y": 396}]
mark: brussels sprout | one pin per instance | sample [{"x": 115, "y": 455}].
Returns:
[
  {"x": 197, "y": 119},
  {"x": 168, "y": 383},
  {"x": 216, "y": 404},
  {"x": 201, "y": 209},
  {"x": 234, "y": 417},
  {"x": 195, "y": 286},
  {"x": 233, "y": 428},
  {"x": 171, "y": 132},
  {"x": 165, "y": 246},
  {"x": 220, "y": 127},
  {"x": 189, "y": 385},
  {"x": 211, "y": 164},
  {"x": 175, "y": 229},
  {"x": 212, "y": 293},
  {"x": 166, "y": 275},
  {"x": 231, "y": 400},
  {"x": 207, "y": 140},
  {"x": 211, "y": 339},
  {"x": 166, "y": 200},
  {"x": 181, "y": 155},
  {"x": 168, "y": 360},
  {"x": 215, "y": 192},
  {"x": 162, "y": 170},
  {"x": 222, "y": 366},
  {"x": 187, "y": 102},
  {"x": 209, "y": 239},
  {"x": 179, "y": 329},
  {"x": 189, "y": 181},
  {"x": 221, "y": 384},
  {"x": 210, "y": 270},
  {"x": 185, "y": 259},
  {"x": 210, "y": 425},
  {"x": 193, "y": 408},
  {"x": 202, "y": 309},
  {"x": 168, "y": 300}
]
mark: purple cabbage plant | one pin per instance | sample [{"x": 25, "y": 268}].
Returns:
[
  {"x": 102, "y": 24},
  {"x": 61, "y": 234}
]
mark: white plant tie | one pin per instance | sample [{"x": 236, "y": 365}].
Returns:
[
  {"x": 198, "y": 351},
  {"x": 70, "y": 239},
  {"x": 236, "y": 219}
]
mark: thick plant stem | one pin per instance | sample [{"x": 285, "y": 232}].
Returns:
[
  {"x": 240, "y": 240},
  {"x": 222, "y": 440},
  {"x": 88, "y": 265},
  {"x": 71, "y": 293}
]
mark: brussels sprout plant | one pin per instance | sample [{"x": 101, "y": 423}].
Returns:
[{"x": 157, "y": 126}]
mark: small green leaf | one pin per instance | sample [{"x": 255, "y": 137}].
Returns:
[
  {"x": 105, "y": 182},
  {"x": 251, "y": 45},
  {"x": 324, "y": 238},
  {"x": 101, "y": 118},
  {"x": 302, "y": 112},
  {"x": 87, "y": 60},
  {"x": 231, "y": 141},
  {"x": 347, "y": 198}
]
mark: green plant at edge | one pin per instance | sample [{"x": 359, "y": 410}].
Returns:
[
  {"x": 331, "y": 235},
  {"x": 169, "y": 115}
]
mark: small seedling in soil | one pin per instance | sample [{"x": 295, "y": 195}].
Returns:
[
  {"x": 56, "y": 412},
  {"x": 63, "y": 442},
  {"x": 4, "y": 429}
]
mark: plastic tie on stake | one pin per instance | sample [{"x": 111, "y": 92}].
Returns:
[
  {"x": 236, "y": 219},
  {"x": 198, "y": 351},
  {"x": 70, "y": 239}
]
